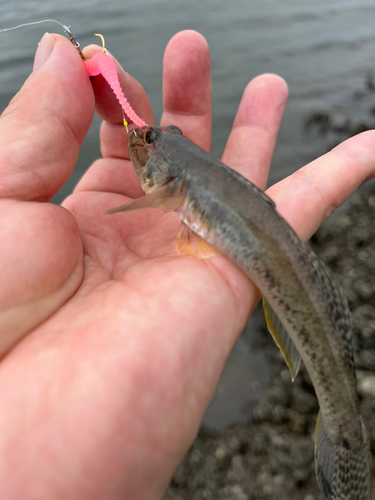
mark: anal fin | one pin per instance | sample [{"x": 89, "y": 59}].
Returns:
[
  {"x": 282, "y": 339},
  {"x": 190, "y": 244}
]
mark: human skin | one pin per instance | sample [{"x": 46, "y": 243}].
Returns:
[{"x": 111, "y": 343}]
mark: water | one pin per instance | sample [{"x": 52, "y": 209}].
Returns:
[{"x": 324, "y": 50}]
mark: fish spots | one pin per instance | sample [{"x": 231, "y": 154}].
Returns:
[{"x": 269, "y": 278}]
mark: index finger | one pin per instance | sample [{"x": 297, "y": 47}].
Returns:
[{"x": 307, "y": 197}]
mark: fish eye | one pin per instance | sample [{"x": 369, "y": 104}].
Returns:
[
  {"x": 147, "y": 138},
  {"x": 151, "y": 135}
]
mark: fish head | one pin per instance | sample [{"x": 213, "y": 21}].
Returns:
[{"x": 146, "y": 153}]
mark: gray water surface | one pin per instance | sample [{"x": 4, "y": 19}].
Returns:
[{"x": 324, "y": 50}]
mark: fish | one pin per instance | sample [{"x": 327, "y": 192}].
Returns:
[{"x": 306, "y": 311}]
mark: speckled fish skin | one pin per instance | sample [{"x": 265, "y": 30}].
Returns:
[{"x": 233, "y": 215}]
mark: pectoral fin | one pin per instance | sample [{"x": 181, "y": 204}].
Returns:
[
  {"x": 189, "y": 243},
  {"x": 282, "y": 340},
  {"x": 168, "y": 197}
]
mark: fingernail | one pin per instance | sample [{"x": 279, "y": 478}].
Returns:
[{"x": 45, "y": 47}]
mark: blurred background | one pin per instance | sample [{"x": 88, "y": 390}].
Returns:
[{"x": 324, "y": 50}]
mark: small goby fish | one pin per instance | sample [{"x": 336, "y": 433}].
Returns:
[{"x": 306, "y": 312}]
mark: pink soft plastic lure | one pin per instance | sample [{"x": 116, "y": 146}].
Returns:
[{"x": 102, "y": 63}]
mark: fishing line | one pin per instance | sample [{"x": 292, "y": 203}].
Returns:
[
  {"x": 66, "y": 29},
  {"x": 99, "y": 63}
]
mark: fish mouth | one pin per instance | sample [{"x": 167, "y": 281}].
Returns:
[
  {"x": 139, "y": 149},
  {"x": 136, "y": 137}
]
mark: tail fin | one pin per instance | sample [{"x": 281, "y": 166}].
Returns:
[{"x": 343, "y": 474}]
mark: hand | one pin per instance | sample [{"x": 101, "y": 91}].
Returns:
[{"x": 112, "y": 344}]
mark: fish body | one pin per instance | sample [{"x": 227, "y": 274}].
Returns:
[{"x": 306, "y": 311}]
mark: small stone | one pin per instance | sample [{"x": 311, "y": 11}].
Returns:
[
  {"x": 234, "y": 492},
  {"x": 303, "y": 402},
  {"x": 207, "y": 494},
  {"x": 263, "y": 412},
  {"x": 366, "y": 386},
  {"x": 330, "y": 254},
  {"x": 195, "y": 457},
  {"x": 363, "y": 255},
  {"x": 279, "y": 414},
  {"x": 234, "y": 443},
  {"x": 364, "y": 290},
  {"x": 285, "y": 375},
  {"x": 297, "y": 422},
  {"x": 259, "y": 443},
  {"x": 220, "y": 453},
  {"x": 368, "y": 359},
  {"x": 302, "y": 474},
  {"x": 237, "y": 473},
  {"x": 276, "y": 395},
  {"x": 368, "y": 331}
]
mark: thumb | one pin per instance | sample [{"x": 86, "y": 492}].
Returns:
[
  {"x": 43, "y": 127},
  {"x": 45, "y": 47},
  {"x": 40, "y": 135}
]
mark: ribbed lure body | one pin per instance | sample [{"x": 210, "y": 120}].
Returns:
[{"x": 102, "y": 63}]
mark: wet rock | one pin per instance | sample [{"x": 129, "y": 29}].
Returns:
[
  {"x": 233, "y": 493},
  {"x": 366, "y": 386},
  {"x": 263, "y": 412},
  {"x": 237, "y": 472},
  {"x": 297, "y": 423},
  {"x": 367, "y": 359}
]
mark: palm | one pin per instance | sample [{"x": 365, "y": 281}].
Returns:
[
  {"x": 128, "y": 251},
  {"x": 121, "y": 341},
  {"x": 134, "y": 252}
]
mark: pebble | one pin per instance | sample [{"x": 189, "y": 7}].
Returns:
[{"x": 366, "y": 386}]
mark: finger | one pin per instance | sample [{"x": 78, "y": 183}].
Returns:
[
  {"x": 310, "y": 195},
  {"x": 252, "y": 140},
  {"x": 43, "y": 127},
  {"x": 111, "y": 175},
  {"x": 113, "y": 134},
  {"x": 187, "y": 87}
]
